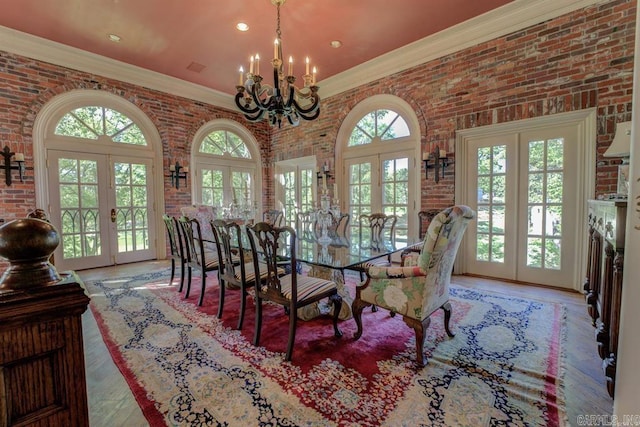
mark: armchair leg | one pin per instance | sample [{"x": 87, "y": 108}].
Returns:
[
  {"x": 337, "y": 305},
  {"x": 447, "y": 316},
  {"x": 420, "y": 328},
  {"x": 356, "y": 307}
]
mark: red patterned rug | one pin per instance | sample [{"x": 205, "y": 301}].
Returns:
[{"x": 186, "y": 367}]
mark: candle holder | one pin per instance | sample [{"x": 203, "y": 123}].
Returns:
[
  {"x": 177, "y": 172},
  {"x": 8, "y": 167},
  {"x": 324, "y": 217},
  {"x": 437, "y": 160}
]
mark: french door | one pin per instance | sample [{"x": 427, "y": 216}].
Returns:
[
  {"x": 102, "y": 206},
  {"x": 381, "y": 183},
  {"x": 524, "y": 188},
  {"x": 226, "y": 187}
]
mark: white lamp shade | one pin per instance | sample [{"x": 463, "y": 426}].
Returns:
[{"x": 621, "y": 145}]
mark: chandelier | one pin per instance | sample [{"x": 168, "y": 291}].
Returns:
[{"x": 283, "y": 99}]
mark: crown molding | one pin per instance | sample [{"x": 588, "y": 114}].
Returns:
[
  {"x": 504, "y": 20},
  {"x": 514, "y": 16},
  {"x": 56, "y": 53}
]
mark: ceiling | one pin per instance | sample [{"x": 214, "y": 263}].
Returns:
[{"x": 196, "y": 40}]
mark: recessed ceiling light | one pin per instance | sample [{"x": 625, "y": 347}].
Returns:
[
  {"x": 336, "y": 44},
  {"x": 241, "y": 26},
  {"x": 114, "y": 38}
]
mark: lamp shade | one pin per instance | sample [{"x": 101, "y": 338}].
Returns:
[{"x": 621, "y": 145}]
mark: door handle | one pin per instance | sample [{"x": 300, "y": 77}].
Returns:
[{"x": 113, "y": 215}]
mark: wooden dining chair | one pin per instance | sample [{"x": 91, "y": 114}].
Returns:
[
  {"x": 292, "y": 290},
  {"x": 176, "y": 247},
  {"x": 306, "y": 223},
  {"x": 340, "y": 224},
  {"x": 376, "y": 229},
  {"x": 196, "y": 256},
  {"x": 274, "y": 217},
  {"x": 235, "y": 270}
]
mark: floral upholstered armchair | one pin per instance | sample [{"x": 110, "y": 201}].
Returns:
[{"x": 416, "y": 291}]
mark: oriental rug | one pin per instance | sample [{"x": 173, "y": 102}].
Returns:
[{"x": 504, "y": 367}]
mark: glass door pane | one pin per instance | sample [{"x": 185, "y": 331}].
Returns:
[
  {"x": 134, "y": 228},
  {"x": 78, "y": 184}
]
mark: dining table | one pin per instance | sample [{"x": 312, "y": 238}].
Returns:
[{"x": 329, "y": 258}]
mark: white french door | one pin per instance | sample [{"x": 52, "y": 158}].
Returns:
[
  {"x": 524, "y": 188},
  {"x": 226, "y": 187},
  {"x": 103, "y": 207},
  {"x": 296, "y": 187},
  {"x": 381, "y": 183}
]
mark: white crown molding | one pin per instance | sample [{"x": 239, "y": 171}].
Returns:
[
  {"x": 509, "y": 18},
  {"x": 55, "y": 53}
]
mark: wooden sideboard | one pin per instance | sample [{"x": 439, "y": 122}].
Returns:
[
  {"x": 603, "y": 281},
  {"x": 42, "y": 374}
]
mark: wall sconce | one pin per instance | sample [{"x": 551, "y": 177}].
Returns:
[
  {"x": 19, "y": 159},
  {"x": 176, "y": 172},
  {"x": 437, "y": 160}
]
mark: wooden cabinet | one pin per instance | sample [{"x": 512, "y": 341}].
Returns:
[
  {"x": 603, "y": 281},
  {"x": 42, "y": 374}
]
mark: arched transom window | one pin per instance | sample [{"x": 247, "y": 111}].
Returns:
[
  {"x": 222, "y": 142},
  {"x": 93, "y": 122},
  {"x": 378, "y": 125}
]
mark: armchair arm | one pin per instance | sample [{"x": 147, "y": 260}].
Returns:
[{"x": 395, "y": 272}]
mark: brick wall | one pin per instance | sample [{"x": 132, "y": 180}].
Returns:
[
  {"x": 26, "y": 85},
  {"x": 580, "y": 60}
]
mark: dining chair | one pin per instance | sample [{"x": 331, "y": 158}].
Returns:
[
  {"x": 340, "y": 224},
  {"x": 236, "y": 270},
  {"x": 376, "y": 229},
  {"x": 292, "y": 291},
  {"x": 306, "y": 223},
  {"x": 176, "y": 247},
  {"x": 197, "y": 256},
  {"x": 274, "y": 217},
  {"x": 417, "y": 291}
]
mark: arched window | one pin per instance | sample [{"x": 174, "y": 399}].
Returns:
[
  {"x": 378, "y": 125},
  {"x": 99, "y": 178},
  {"x": 94, "y": 122},
  {"x": 222, "y": 142},
  {"x": 226, "y": 158},
  {"x": 379, "y": 146}
]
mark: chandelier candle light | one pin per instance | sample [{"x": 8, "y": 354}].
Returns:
[{"x": 283, "y": 99}]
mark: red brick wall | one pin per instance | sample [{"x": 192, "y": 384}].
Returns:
[
  {"x": 26, "y": 85},
  {"x": 580, "y": 60}
]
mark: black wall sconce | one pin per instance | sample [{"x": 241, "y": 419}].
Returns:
[
  {"x": 436, "y": 160},
  {"x": 176, "y": 172},
  {"x": 8, "y": 167}
]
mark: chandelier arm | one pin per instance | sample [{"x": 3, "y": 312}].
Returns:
[
  {"x": 312, "y": 108},
  {"x": 255, "y": 118},
  {"x": 243, "y": 108},
  {"x": 259, "y": 103}
]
